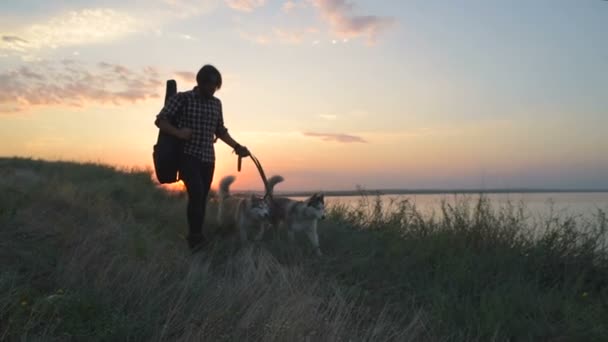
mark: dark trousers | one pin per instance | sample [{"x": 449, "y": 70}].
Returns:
[{"x": 197, "y": 176}]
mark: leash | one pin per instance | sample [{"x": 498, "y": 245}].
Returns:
[{"x": 258, "y": 165}]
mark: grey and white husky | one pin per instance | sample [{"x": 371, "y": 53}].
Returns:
[
  {"x": 247, "y": 212},
  {"x": 297, "y": 215}
]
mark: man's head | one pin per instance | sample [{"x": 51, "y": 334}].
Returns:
[{"x": 209, "y": 80}]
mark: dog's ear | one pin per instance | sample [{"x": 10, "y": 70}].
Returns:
[
  {"x": 315, "y": 198},
  {"x": 318, "y": 196}
]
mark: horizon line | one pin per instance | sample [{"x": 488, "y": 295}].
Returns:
[{"x": 421, "y": 191}]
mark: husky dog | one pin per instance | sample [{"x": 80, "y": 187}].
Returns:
[
  {"x": 247, "y": 212},
  {"x": 298, "y": 215}
]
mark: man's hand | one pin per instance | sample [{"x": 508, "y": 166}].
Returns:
[
  {"x": 184, "y": 133},
  {"x": 241, "y": 151}
]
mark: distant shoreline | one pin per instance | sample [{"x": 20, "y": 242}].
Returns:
[{"x": 350, "y": 193}]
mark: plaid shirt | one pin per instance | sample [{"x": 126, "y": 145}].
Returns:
[{"x": 203, "y": 116}]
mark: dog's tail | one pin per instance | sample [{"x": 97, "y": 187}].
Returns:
[
  {"x": 274, "y": 180},
  {"x": 225, "y": 186}
]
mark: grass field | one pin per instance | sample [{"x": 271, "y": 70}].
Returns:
[{"x": 91, "y": 253}]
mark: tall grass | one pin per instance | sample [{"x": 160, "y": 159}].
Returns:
[
  {"x": 483, "y": 272},
  {"x": 88, "y": 252}
]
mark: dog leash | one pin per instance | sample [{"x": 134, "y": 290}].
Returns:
[{"x": 258, "y": 165}]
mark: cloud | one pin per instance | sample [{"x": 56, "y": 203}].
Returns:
[
  {"x": 13, "y": 44},
  {"x": 338, "y": 14},
  {"x": 289, "y": 37},
  {"x": 260, "y": 39},
  {"x": 289, "y": 6},
  {"x": 185, "y": 36},
  {"x": 72, "y": 83},
  {"x": 280, "y": 36},
  {"x": 328, "y": 116},
  {"x": 14, "y": 39},
  {"x": 186, "y": 76},
  {"x": 99, "y": 25},
  {"x": 245, "y": 5},
  {"x": 336, "y": 137},
  {"x": 185, "y": 8},
  {"x": 72, "y": 28}
]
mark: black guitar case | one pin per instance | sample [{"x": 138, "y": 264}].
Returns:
[{"x": 168, "y": 148}]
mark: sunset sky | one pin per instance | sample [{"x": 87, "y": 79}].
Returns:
[{"x": 330, "y": 94}]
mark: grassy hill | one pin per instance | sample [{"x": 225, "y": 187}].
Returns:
[{"x": 91, "y": 253}]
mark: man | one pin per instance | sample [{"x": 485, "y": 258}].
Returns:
[{"x": 199, "y": 118}]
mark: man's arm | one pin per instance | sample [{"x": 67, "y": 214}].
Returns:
[
  {"x": 168, "y": 114},
  {"x": 221, "y": 132},
  {"x": 229, "y": 140},
  {"x": 166, "y": 127}
]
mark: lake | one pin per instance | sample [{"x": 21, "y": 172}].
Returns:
[{"x": 537, "y": 204}]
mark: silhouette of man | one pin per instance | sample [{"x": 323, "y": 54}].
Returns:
[{"x": 199, "y": 118}]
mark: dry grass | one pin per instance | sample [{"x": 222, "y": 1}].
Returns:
[
  {"x": 91, "y": 253},
  {"x": 98, "y": 256}
]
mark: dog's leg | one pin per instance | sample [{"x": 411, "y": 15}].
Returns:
[
  {"x": 314, "y": 238},
  {"x": 242, "y": 228},
  {"x": 261, "y": 232},
  {"x": 220, "y": 209},
  {"x": 290, "y": 233},
  {"x": 275, "y": 228}
]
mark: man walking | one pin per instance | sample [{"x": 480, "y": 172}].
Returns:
[{"x": 199, "y": 117}]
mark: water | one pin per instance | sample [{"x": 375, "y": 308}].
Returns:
[{"x": 536, "y": 204}]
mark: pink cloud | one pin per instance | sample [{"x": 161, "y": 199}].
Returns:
[
  {"x": 260, "y": 39},
  {"x": 281, "y": 36},
  {"x": 289, "y": 37},
  {"x": 71, "y": 28},
  {"x": 338, "y": 13},
  {"x": 289, "y": 5},
  {"x": 336, "y": 137},
  {"x": 245, "y": 5},
  {"x": 186, "y": 76},
  {"x": 72, "y": 83}
]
